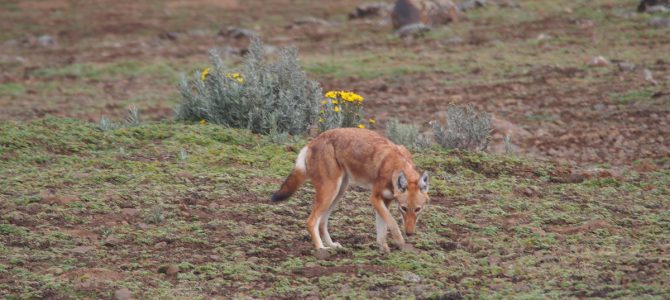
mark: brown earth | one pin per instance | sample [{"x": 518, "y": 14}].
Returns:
[{"x": 532, "y": 73}]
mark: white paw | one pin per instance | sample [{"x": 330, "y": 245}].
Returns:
[{"x": 336, "y": 245}]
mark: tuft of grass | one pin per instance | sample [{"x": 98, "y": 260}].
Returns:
[
  {"x": 406, "y": 134},
  {"x": 12, "y": 89},
  {"x": 633, "y": 96}
]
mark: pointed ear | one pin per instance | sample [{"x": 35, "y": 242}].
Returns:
[
  {"x": 400, "y": 182},
  {"x": 423, "y": 182}
]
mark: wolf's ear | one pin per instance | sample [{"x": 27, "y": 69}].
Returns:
[
  {"x": 400, "y": 182},
  {"x": 423, "y": 182}
]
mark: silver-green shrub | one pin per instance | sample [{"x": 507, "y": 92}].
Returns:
[
  {"x": 466, "y": 129},
  {"x": 406, "y": 134},
  {"x": 265, "y": 97}
]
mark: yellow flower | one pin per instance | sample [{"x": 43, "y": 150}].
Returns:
[
  {"x": 321, "y": 120},
  {"x": 203, "y": 122},
  {"x": 324, "y": 102},
  {"x": 336, "y": 109},
  {"x": 372, "y": 121},
  {"x": 331, "y": 95},
  {"x": 335, "y": 102},
  {"x": 361, "y": 126},
  {"x": 204, "y": 74},
  {"x": 236, "y": 76}
]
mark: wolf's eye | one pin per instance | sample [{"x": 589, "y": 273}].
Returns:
[
  {"x": 404, "y": 209},
  {"x": 417, "y": 209}
]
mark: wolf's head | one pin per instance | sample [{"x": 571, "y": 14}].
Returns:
[{"x": 411, "y": 191}]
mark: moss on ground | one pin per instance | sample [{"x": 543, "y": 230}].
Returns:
[{"x": 85, "y": 212}]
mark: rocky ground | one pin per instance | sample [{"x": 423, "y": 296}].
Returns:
[{"x": 582, "y": 88}]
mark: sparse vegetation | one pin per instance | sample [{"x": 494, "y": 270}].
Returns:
[
  {"x": 180, "y": 210},
  {"x": 466, "y": 129},
  {"x": 263, "y": 97},
  {"x": 209, "y": 220},
  {"x": 406, "y": 134}
]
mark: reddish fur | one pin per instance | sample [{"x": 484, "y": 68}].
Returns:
[{"x": 361, "y": 156}]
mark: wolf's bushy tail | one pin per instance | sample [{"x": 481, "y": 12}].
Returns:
[
  {"x": 294, "y": 180},
  {"x": 290, "y": 185}
]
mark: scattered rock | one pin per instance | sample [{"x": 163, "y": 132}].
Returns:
[
  {"x": 46, "y": 40},
  {"x": 408, "y": 12},
  {"x": 238, "y": 33},
  {"x": 250, "y": 230},
  {"x": 429, "y": 12},
  {"x": 471, "y": 4},
  {"x": 528, "y": 192},
  {"x": 160, "y": 245},
  {"x": 198, "y": 32},
  {"x": 55, "y": 270},
  {"x": 111, "y": 241},
  {"x": 129, "y": 212},
  {"x": 652, "y": 5},
  {"x": 447, "y": 246},
  {"x": 411, "y": 277},
  {"x": 648, "y": 76},
  {"x": 322, "y": 254},
  {"x": 442, "y": 12},
  {"x": 371, "y": 10},
  {"x": 543, "y": 37},
  {"x": 253, "y": 259},
  {"x": 170, "y": 270},
  {"x": 625, "y": 67},
  {"x": 406, "y": 247},
  {"x": 457, "y": 40},
  {"x": 659, "y": 22},
  {"x": 82, "y": 249},
  {"x": 309, "y": 21},
  {"x": 599, "y": 61},
  {"x": 169, "y": 35},
  {"x": 123, "y": 294},
  {"x": 412, "y": 30}
]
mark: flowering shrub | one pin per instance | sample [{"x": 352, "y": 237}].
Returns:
[
  {"x": 342, "y": 109},
  {"x": 264, "y": 97}
]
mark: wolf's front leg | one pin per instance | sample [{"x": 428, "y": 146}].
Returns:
[
  {"x": 382, "y": 231},
  {"x": 383, "y": 212}
]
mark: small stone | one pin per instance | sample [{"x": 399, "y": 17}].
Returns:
[
  {"x": 370, "y": 10},
  {"x": 411, "y": 277},
  {"x": 659, "y": 22},
  {"x": 412, "y": 30},
  {"x": 123, "y": 294},
  {"x": 169, "y": 35},
  {"x": 111, "y": 241},
  {"x": 310, "y": 264},
  {"x": 160, "y": 245},
  {"x": 169, "y": 270},
  {"x": 599, "y": 61},
  {"x": 250, "y": 230},
  {"x": 627, "y": 67},
  {"x": 648, "y": 76},
  {"x": 172, "y": 270},
  {"x": 453, "y": 41},
  {"x": 46, "y": 40},
  {"x": 528, "y": 192},
  {"x": 253, "y": 259},
  {"x": 238, "y": 33},
  {"x": 214, "y": 257},
  {"x": 82, "y": 249},
  {"x": 406, "y": 247},
  {"x": 322, "y": 254},
  {"x": 129, "y": 212}
]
